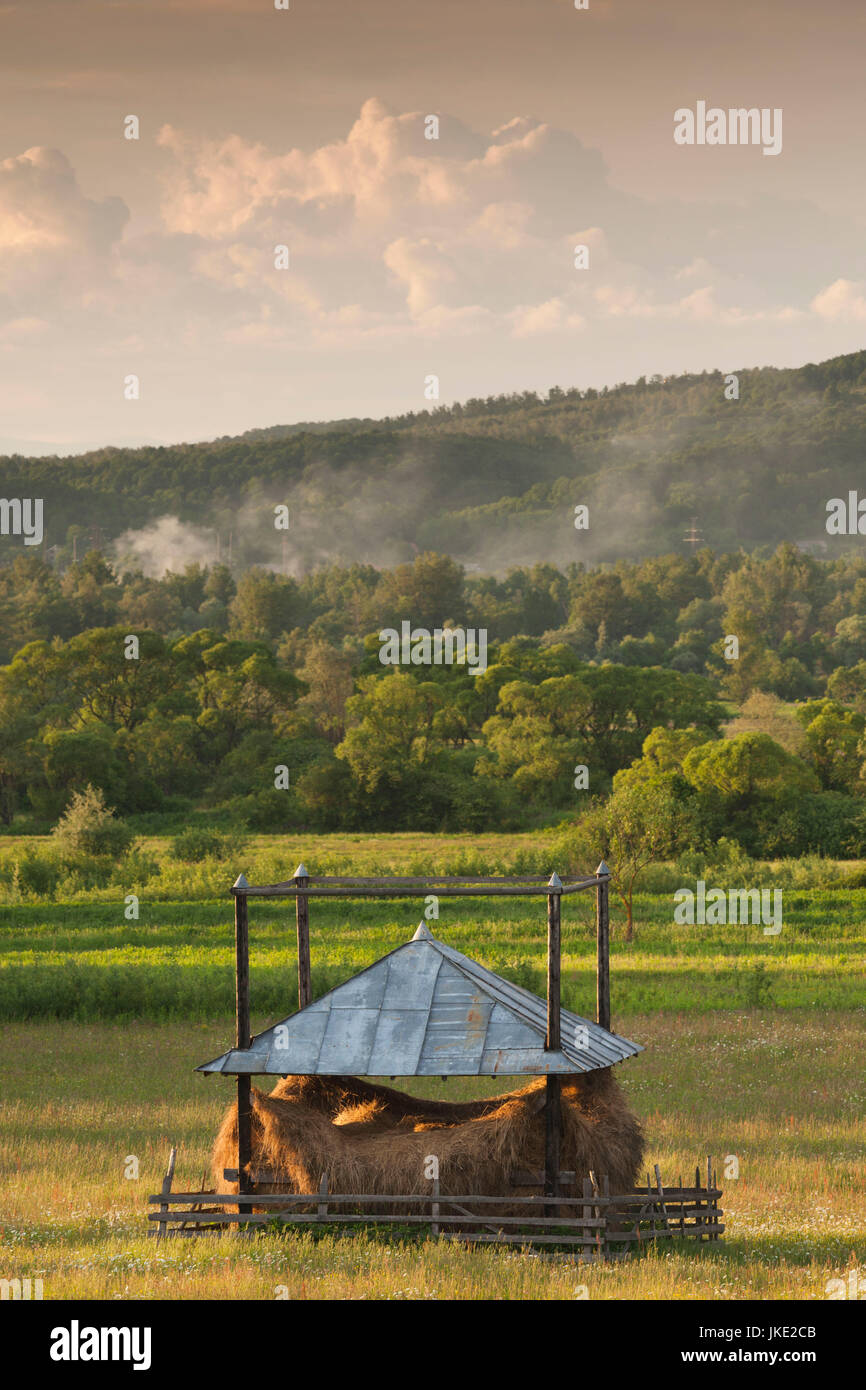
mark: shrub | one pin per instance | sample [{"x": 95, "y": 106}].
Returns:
[
  {"x": 195, "y": 845},
  {"x": 34, "y": 874},
  {"x": 88, "y": 827}
]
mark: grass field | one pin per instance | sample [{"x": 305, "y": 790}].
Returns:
[
  {"x": 755, "y": 1050},
  {"x": 784, "y": 1094},
  {"x": 84, "y": 961}
]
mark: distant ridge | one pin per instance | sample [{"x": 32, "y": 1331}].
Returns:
[{"x": 495, "y": 481}]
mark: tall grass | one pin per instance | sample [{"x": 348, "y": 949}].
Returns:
[{"x": 783, "y": 1095}]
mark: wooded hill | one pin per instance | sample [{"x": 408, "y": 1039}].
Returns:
[{"x": 495, "y": 482}]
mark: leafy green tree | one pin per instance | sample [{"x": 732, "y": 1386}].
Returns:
[
  {"x": 428, "y": 592},
  {"x": 148, "y": 603},
  {"x": 639, "y": 824},
  {"x": 93, "y": 590},
  {"x": 532, "y": 738},
  {"x": 111, "y": 687},
  {"x": 265, "y": 605},
  {"x": 746, "y": 783},
  {"x": 847, "y": 685},
  {"x": 833, "y": 739},
  {"x": 329, "y": 677},
  {"x": 168, "y": 752},
  {"x": 392, "y": 730}
]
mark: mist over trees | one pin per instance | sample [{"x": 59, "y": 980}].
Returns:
[
  {"x": 257, "y": 697},
  {"x": 491, "y": 482}
]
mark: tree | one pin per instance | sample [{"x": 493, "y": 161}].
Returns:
[
  {"x": 428, "y": 592},
  {"x": 747, "y": 766},
  {"x": 848, "y": 686},
  {"x": 392, "y": 729},
  {"x": 533, "y": 739},
  {"x": 746, "y": 785},
  {"x": 329, "y": 678},
  {"x": 108, "y": 685},
  {"x": 638, "y": 824},
  {"x": 664, "y": 752},
  {"x": 265, "y": 605},
  {"x": 833, "y": 743}
]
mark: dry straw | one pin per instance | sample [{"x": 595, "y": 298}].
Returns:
[{"x": 373, "y": 1139}]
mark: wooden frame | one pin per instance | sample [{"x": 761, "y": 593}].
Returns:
[{"x": 303, "y": 887}]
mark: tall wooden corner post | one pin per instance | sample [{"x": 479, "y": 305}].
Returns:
[
  {"x": 602, "y": 935},
  {"x": 242, "y": 1014},
  {"x": 302, "y": 913},
  {"x": 552, "y": 1112}
]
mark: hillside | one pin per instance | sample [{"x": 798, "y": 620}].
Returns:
[{"x": 493, "y": 482}]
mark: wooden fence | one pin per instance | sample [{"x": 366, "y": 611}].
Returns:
[{"x": 597, "y": 1225}]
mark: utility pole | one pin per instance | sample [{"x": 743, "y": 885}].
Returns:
[{"x": 693, "y": 536}]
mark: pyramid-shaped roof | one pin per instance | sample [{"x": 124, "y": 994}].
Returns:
[{"x": 425, "y": 1010}]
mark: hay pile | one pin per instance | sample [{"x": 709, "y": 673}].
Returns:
[{"x": 375, "y": 1139}]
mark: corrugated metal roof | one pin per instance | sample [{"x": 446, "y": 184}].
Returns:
[{"x": 425, "y": 1010}]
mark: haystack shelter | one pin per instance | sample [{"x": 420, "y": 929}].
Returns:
[{"x": 329, "y": 1145}]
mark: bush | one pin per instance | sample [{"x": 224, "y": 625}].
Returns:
[
  {"x": 272, "y": 811},
  {"x": 90, "y": 828},
  {"x": 35, "y": 875},
  {"x": 194, "y": 845}
]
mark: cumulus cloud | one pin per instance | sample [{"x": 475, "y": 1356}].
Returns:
[
  {"x": 406, "y": 254},
  {"x": 53, "y": 240},
  {"x": 386, "y": 231},
  {"x": 844, "y": 299}
]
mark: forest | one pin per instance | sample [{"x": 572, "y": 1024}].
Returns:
[
  {"x": 259, "y": 700},
  {"x": 491, "y": 482}
]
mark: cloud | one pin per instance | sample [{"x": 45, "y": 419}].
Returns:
[
  {"x": 53, "y": 240},
  {"x": 844, "y": 299},
  {"x": 408, "y": 255},
  {"x": 388, "y": 232}
]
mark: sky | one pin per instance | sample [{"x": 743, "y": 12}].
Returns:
[{"x": 409, "y": 258}]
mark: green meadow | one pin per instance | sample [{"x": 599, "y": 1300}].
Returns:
[{"x": 754, "y": 1053}]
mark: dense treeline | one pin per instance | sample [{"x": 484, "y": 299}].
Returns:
[
  {"x": 801, "y": 621},
  {"x": 490, "y": 479},
  {"x": 262, "y": 698}
]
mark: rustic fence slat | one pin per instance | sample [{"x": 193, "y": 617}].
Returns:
[
  {"x": 365, "y": 1218},
  {"x": 166, "y": 1187},
  {"x": 592, "y": 1223}
]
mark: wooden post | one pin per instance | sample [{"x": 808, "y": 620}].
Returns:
[
  {"x": 699, "y": 1220},
  {"x": 166, "y": 1189},
  {"x": 602, "y": 928},
  {"x": 710, "y": 1221},
  {"x": 660, "y": 1190},
  {"x": 242, "y": 1041},
  {"x": 302, "y": 912},
  {"x": 552, "y": 1114}
]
